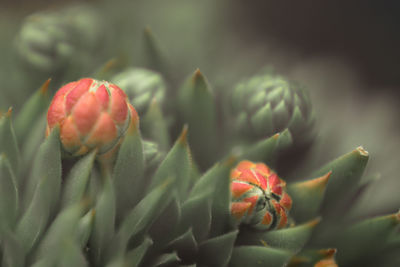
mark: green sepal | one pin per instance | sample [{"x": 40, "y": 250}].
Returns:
[
  {"x": 63, "y": 228},
  {"x": 134, "y": 257},
  {"x": 185, "y": 245},
  {"x": 217, "y": 251},
  {"x": 197, "y": 106},
  {"x": 266, "y": 150},
  {"x": 31, "y": 112},
  {"x": 9, "y": 194},
  {"x": 166, "y": 259},
  {"x": 196, "y": 214},
  {"x": 291, "y": 239},
  {"x": 259, "y": 256},
  {"x": 346, "y": 174},
  {"x": 77, "y": 181},
  {"x": 128, "y": 174},
  {"x": 307, "y": 197},
  {"x": 104, "y": 221},
  {"x": 262, "y": 120},
  {"x": 8, "y": 141},
  {"x": 140, "y": 218},
  {"x": 154, "y": 126},
  {"x": 280, "y": 115},
  {"x": 367, "y": 238},
  {"x": 42, "y": 192},
  {"x": 85, "y": 227},
  {"x": 176, "y": 164}
]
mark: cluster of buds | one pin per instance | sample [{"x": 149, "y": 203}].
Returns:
[
  {"x": 91, "y": 114},
  {"x": 259, "y": 198}
]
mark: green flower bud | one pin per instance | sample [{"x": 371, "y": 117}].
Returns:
[
  {"x": 141, "y": 86},
  {"x": 267, "y": 104}
]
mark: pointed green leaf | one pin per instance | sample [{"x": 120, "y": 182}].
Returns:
[
  {"x": 185, "y": 245},
  {"x": 307, "y": 197},
  {"x": 62, "y": 229},
  {"x": 346, "y": 174},
  {"x": 258, "y": 256},
  {"x": 292, "y": 238},
  {"x": 364, "y": 239},
  {"x": 31, "y": 112},
  {"x": 281, "y": 115},
  {"x": 129, "y": 173},
  {"x": 8, "y": 141},
  {"x": 140, "y": 219},
  {"x": 197, "y": 107},
  {"x": 267, "y": 150},
  {"x": 72, "y": 255},
  {"x": 154, "y": 57},
  {"x": 104, "y": 221},
  {"x": 262, "y": 120},
  {"x": 77, "y": 180},
  {"x": 166, "y": 259},
  {"x": 43, "y": 186},
  {"x": 165, "y": 225},
  {"x": 13, "y": 254},
  {"x": 154, "y": 126},
  {"x": 311, "y": 257},
  {"x": 196, "y": 214},
  {"x": 8, "y": 193},
  {"x": 217, "y": 251},
  {"x": 176, "y": 164},
  {"x": 85, "y": 227},
  {"x": 135, "y": 256}
]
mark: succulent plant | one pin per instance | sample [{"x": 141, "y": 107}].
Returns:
[{"x": 196, "y": 202}]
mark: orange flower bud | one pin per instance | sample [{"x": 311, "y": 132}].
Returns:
[{"x": 91, "y": 114}]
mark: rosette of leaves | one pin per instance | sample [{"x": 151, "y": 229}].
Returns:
[{"x": 268, "y": 103}]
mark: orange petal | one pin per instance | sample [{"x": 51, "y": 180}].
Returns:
[
  {"x": 275, "y": 184},
  {"x": 104, "y": 132},
  {"x": 267, "y": 219},
  {"x": 286, "y": 201},
  {"x": 119, "y": 107},
  {"x": 245, "y": 165},
  {"x": 86, "y": 113},
  {"x": 283, "y": 219},
  {"x": 76, "y": 93},
  {"x": 239, "y": 209},
  {"x": 239, "y": 189},
  {"x": 262, "y": 180},
  {"x": 263, "y": 169},
  {"x": 69, "y": 135},
  {"x": 56, "y": 113},
  {"x": 248, "y": 176},
  {"x": 65, "y": 89},
  {"x": 253, "y": 201},
  {"x": 102, "y": 96}
]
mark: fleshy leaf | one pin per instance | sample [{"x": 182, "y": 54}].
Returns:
[
  {"x": 8, "y": 141},
  {"x": 196, "y": 214},
  {"x": 135, "y": 256},
  {"x": 44, "y": 187},
  {"x": 176, "y": 164},
  {"x": 154, "y": 126},
  {"x": 77, "y": 181},
  {"x": 262, "y": 120},
  {"x": 165, "y": 260},
  {"x": 346, "y": 174},
  {"x": 129, "y": 173},
  {"x": 84, "y": 228},
  {"x": 13, "y": 254},
  {"x": 266, "y": 150},
  {"x": 140, "y": 218},
  {"x": 8, "y": 193},
  {"x": 307, "y": 197},
  {"x": 367, "y": 238},
  {"x": 31, "y": 111},
  {"x": 217, "y": 251},
  {"x": 292, "y": 238},
  {"x": 258, "y": 256},
  {"x": 104, "y": 221},
  {"x": 185, "y": 245},
  {"x": 197, "y": 107}
]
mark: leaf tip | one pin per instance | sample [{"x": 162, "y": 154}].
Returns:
[
  {"x": 362, "y": 152},
  {"x": 182, "y": 139},
  {"x": 44, "y": 89}
]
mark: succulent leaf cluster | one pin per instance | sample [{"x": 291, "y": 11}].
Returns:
[{"x": 84, "y": 182}]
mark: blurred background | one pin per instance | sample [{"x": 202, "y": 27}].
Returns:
[{"x": 346, "y": 53}]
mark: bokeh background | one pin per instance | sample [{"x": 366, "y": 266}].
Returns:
[{"x": 346, "y": 53}]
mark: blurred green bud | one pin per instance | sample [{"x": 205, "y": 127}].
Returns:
[
  {"x": 52, "y": 40},
  {"x": 141, "y": 86},
  {"x": 267, "y": 104}
]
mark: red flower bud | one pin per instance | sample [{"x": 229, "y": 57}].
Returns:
[
  {"x": 91, "y": 114},
  {"x": 259, "y": 198}
]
